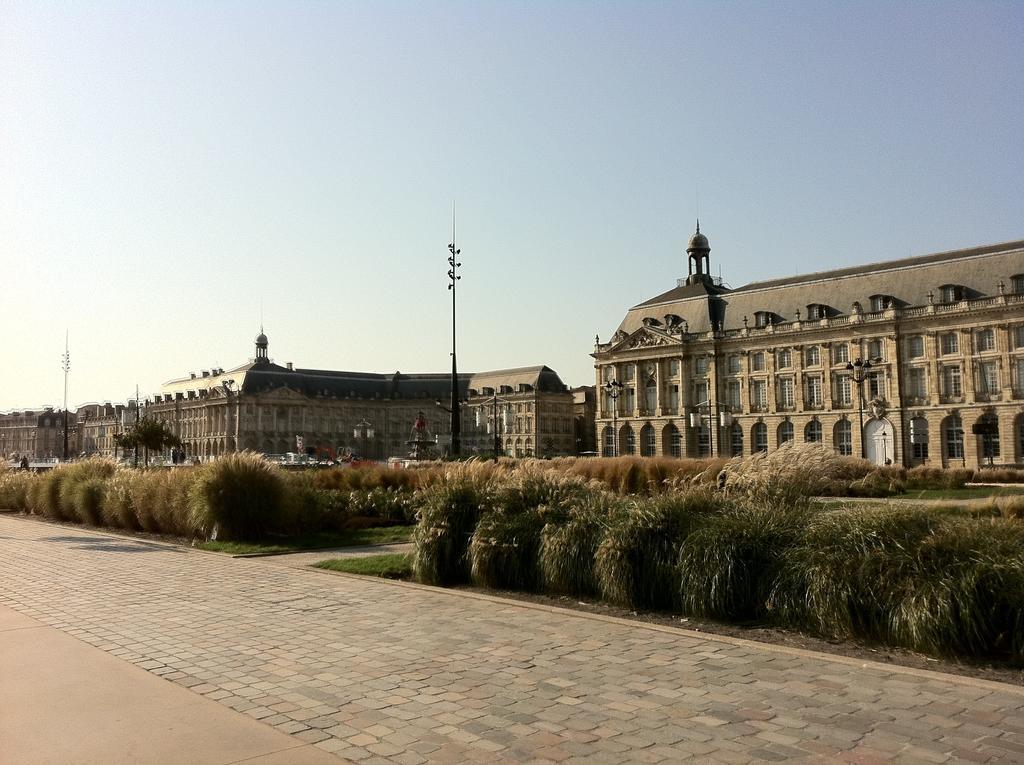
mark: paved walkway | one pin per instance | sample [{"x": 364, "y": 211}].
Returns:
[{"x": 379, "y": 672}]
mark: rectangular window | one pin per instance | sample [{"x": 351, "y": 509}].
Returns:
[
  {"x": 673, "y": 367},
  {"x": 758, "y": 362},
  {"x": 700, "y": 366},
  {"x": 917, "y": 383},
  {"x": 841, "y": 354},
  {"x": 844, "y": 389},
  {"x": 786, "y": 398},
  {"x": 759, "y": 394},
  {"x": 876, "y": 385},
  {"x": 915, "y": 347},
  {"x": 876, "y": 349},
  {"x": 949, "y": 343},
  {"x": 986, "y": 340},
  {"x": 1018, "y": 336},
  {"x": 1019, "y": 386},
  {"x": 630, "y": 400},
  {"x": 734, "y": 364},
  {"x": 629, "y": 371},
  {"x": 814, "y": 391},
  {"x": 673, "y": 398},
  {"x": 700, "y": 393},
  {"x": 988, "y": 377},
  {"x": 812, "y": 356},
  {"x": 951, "y": 381},
  {"x": 785, "y": 360},
  {"x": 733, "y": 394}
]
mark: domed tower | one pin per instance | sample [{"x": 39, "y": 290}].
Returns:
[
  {"x": 261, "y": 348},
  {"x": 700, "y": 258}
]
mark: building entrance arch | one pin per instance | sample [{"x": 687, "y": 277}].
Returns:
[{"x": 879, "y": 444}]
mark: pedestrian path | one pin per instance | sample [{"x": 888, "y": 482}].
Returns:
[{"x": 380, "y": 672}]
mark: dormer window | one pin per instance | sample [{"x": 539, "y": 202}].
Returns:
[
  {"x": 951, "y": 293},
  {"x": 817, "y": 311},
  {"x": 763, "y": 318},
  {"x": 880, "y": 302},
  {"x": 1017, "y": 284}
]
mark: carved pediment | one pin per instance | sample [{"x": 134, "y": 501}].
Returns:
[{"x": 645, "y": 337}]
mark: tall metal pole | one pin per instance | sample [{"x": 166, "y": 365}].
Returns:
[
  {"x": 453, "y": 277},
  {"x": 494, "y": 417},
  {"x": 66, "y": 365},
  {"x": 860, "y": 374},
  {"x": 136, "y": 439}
]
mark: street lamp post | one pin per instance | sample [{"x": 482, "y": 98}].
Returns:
[
  {"x": 66, "y": 366},
  {"x": 860, "y": 371},
  {"x": 614, "y": 389},
  {"x": 453, "y": 277}
]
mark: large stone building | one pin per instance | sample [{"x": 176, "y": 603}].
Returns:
[
  {"x": 704, "y": 369},
  {"x": 281, "y": 409},
  {"x": 97, "y": 424},
  {"x": 36, "y": 434}
]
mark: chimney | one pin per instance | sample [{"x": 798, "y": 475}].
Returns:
[
  {"x": 192, "y": 375},
  {"x": 206, "y": 373},
  {"x": 290, "y": 369}
]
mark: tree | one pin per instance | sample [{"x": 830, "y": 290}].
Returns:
[{"x": 148, "y": 434}]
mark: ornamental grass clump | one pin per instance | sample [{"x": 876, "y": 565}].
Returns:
[
  {"x": 15, "y": 486},
  {"x": 568, "y": 548},
  {"x": 238, "y": 497},
  {"x": 448, "y": 514},
  {"x": 46, "y": 498},
  {"x": 118, "y": 509},
  {"x": 88, "y": 500},
  {"x": 793, "y": 473},
  {"x": 850, "y": 571},
  {"x": 637, "y": 561},
  {"x": 728, "y": 565},
  {"x": 505, "y": 548},
  {"x": 968, "y": 595},
  {"x": 70, "y": 477}
]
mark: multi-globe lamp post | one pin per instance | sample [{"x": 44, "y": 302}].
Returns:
[
  {"x": 453, "y": 278},
  {"x": 613, "y": 388},
  {"x": 860, "y": 371},
  {"x": 65, "y": 364}
]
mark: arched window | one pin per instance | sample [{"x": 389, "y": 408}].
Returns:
[
  {"x": 812, "y": 433},
  {"x": 628, "y": 440},
  {"x": 919, "y": 438},
  {"x": 736, "y": 445},
  {"x": 759, "y": 437},
  {"x": 843, "y": 437},
  {"x": 703, "y": 439},
  {"x": 953, "y": 437},
  {"x": 648, "y": 444},
  {"x": 675, "y": 440},
  {"x": 785, "y": 432},
  {"x": 609, "y": 442},
  {"x": 988, "y": 433}
]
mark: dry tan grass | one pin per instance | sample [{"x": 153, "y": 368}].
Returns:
[{"x": 793, "y": 470}]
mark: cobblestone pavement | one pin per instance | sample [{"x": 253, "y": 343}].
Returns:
[{"x": 389, "y": 673}]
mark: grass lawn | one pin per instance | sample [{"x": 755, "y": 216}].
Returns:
[
  {"x": 968, "y": 492},
  {"x": 390, "y": 566},
  {"x": 323, "y": 540}
]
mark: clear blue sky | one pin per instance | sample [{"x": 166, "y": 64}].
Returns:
[{"x": 165, "y": 168}]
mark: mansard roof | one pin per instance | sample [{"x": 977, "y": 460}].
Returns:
[
  {"x": 540, "y": 378},
  {"x": 908, "y": 281}
]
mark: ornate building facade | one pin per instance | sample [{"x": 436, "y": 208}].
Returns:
[
  {"x": 926, "y": 352},
  {"x": 36, "y": 434},
  {"x": 276, "y": 409}
]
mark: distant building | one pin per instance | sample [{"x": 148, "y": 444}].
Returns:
[
  {"x": 35, "y": 433},
  {"x": 276, "y": 409},
  {"x": 97, "y": 424},
  {"x": 584, "y": 409},
  {"x": 707, "y": 369}
]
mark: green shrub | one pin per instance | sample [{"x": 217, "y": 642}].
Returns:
[
  {"x": 568, "y": 547},
  {"x": 968, "y": 595},
  {"x": 47, "y": 496},
  {"x": 238, "y": 497},
  {"x": 504, "y": 549},
  {"x": 448, "y": 516},
  {"x": 637, "y": 560},
  {"x": 71, "y": 476},
  {"x": 728, "y": 565},
  {"x": 850, "y": 570},
  {"x": 88, "y": 500}
]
